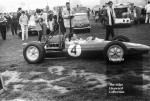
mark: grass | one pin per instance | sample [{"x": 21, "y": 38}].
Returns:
[{"x": 79, "y": 88}]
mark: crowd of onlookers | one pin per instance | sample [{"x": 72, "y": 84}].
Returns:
[{"x": 19, "y": 20}]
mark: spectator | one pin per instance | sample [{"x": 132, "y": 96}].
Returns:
[
  {"x": 147, "y": 7},
  {"x": 55, "y": 24},
  {"x": 109, "y": 16},
  {"x": 18, "y": 16},
  {"x": 27, "y": 14},
  {"x": 14, "y": 24},
  {"x": 102, "y": 13},
  {"x": 50, "y": 19},
  {"x": 143, "y": 12},
  {"x": 99, "y": 13},
  {"x": 8, "y": 20},
  {"x": 43, "y": 22},
  {"x": 23, "y": 21},
  {"x": 68, "y": 15},
  {"x": 38, "y": 23},
  {"x": 3, "y": 22},
  {"x": 88, "y": 13},
  {"x": 61, "y": 21}
]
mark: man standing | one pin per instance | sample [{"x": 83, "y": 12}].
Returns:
[
  {"x": 68, "y": 15},
  {"x": 3, "y": 22},
  {"x": 18, "y": 16},
  {"x": 14, "y": 24},
  {"x": 147, "y": 8},
  {"x": 23, "y": 21},
  {"x": 88, "y": 13},
  {"x": 3, "y": 28},
  {"x": 102, "y": 14},
  {"x": 109, "y": 16},
  {"x": 50, "y": 19},
  {"x": 44, "y": 23},
  {"x": 38, "y": 23}
]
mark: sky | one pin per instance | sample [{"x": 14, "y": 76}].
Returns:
[{"x": 12, "y": 5}]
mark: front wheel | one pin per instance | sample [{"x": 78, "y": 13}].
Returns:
[
  {"x": 34, "y": 53},
  {"x": 115, "y": 52}
]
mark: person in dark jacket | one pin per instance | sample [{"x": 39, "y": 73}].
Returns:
[
  {"x": 18, "y": 16},
  {"x": 61, "y": 21},
  {"x": 109, "y": 16},
  {"x": 50, "y": 19},
  {"x": 3, "y": 22},
  {"x": 14, "y": 24}
]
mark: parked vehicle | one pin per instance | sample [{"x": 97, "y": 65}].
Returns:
[
  {"x": 82, "y": 22},
  {"x": 122, "y": 15}
]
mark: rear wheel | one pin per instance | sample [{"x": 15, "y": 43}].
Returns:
[
  {"x": 115, "y": 52},
  {"x": 121, "y": 38},
  {"x": 34, "y": 53}
]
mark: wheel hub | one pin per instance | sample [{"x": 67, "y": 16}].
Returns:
[
  {"x": 115, "y": 53},
  {"x": 32, "y": 53}
]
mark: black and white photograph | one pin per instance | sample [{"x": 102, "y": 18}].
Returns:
[{"x": 75, "y": 50}]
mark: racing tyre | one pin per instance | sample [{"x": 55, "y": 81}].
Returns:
[
  {"x": 34, "y": 53},
  {"x": 115, "y": 52},
  {"x": 121, "y": 38}
]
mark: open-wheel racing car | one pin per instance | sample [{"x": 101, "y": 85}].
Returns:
[{"x": 114, "y": 51}]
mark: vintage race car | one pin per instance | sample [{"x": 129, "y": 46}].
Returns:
[{"x": 114, "y": 51}]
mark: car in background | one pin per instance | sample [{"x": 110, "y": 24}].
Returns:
[
  {"x": 81, "y": 22},
  {"x": 80, "y": 9},
  {"x": 31, "y": 25},
  {"x": 122, "y": 15}
]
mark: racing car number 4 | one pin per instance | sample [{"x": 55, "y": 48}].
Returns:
[{"x": 74, "y": 50}]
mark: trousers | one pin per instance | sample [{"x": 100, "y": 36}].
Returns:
[
  {"x": 109, "y": 31},
  {"x": 3, "y": 31},
  {"x": 24, "y": 30}
]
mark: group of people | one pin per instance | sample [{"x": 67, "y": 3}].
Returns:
[
  {"x": 63, "y": 18},
  {"x": 9, "y": 21},
  {"x": 107, "y": 16}
]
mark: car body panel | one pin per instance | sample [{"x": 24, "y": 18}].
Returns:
[{"x": 91, "y": 47}]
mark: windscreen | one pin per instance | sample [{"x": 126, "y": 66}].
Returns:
[
  {"x": 119, "y": 11},
  {"x": 80, "y": 17}
]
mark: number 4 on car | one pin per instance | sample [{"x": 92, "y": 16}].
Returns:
[{"x": 114, "y": 51}]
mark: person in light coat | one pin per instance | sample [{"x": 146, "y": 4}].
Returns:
[
  {"x": 147, "y": 8},
  {"x": 68, "y": 15},
  {"x": 109, "y": 17},
  {"x": 23, "y": 21}
]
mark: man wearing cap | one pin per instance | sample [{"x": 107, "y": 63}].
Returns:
[
  {"x": 109, "y": 17},
  {"x": 68, "y": 15}
]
